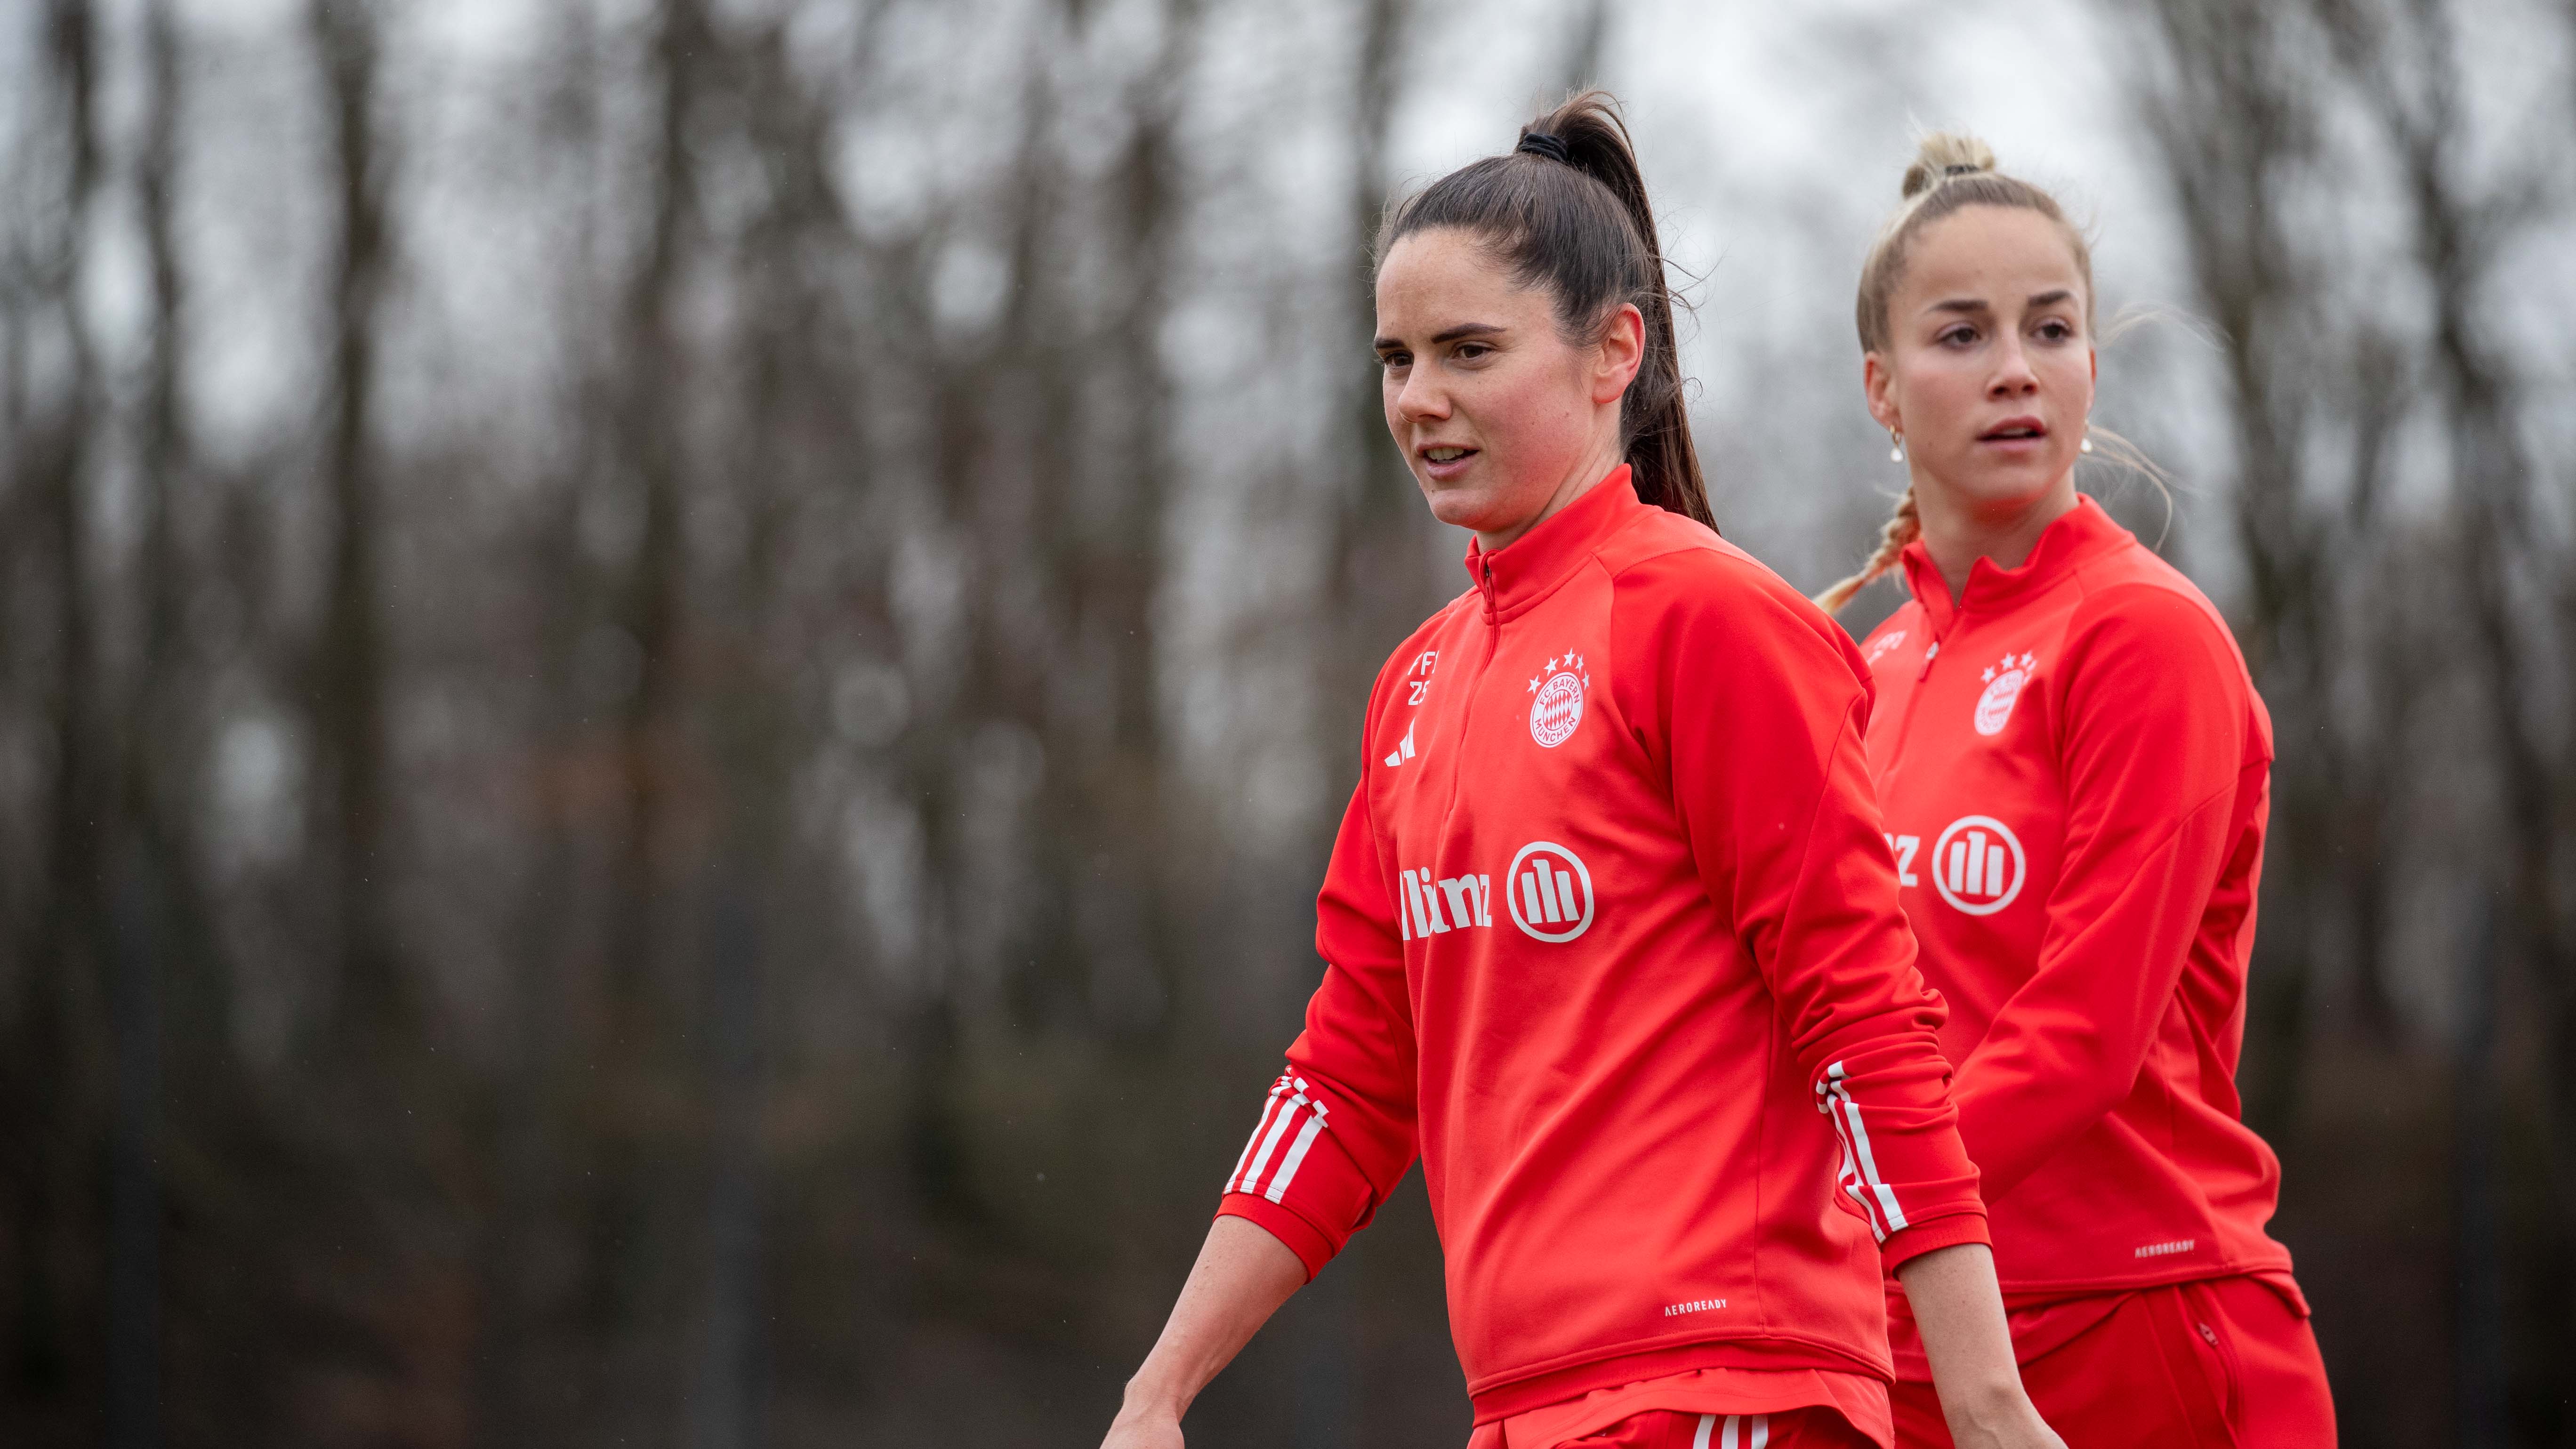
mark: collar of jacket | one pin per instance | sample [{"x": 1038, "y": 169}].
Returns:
[
  {"x": 1529, "y": 568},
  {"x": 2080, "y": 533}
]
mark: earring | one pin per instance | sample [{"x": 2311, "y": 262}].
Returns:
[
  {"x": 1896, "y": 450},
  {"x": 2087, "y": 445}
]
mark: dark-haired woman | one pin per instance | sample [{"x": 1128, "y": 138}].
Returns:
[
  {"x": 1610, "y": 932},
  {"x": 2075, "y": 770}
]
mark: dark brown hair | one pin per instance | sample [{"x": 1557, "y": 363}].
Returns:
[{"x": 1582, "y": 228}]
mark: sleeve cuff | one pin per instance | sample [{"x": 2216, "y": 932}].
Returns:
[
  {"x": 1917, "y": 1239},
  {"x": 1310, "y": 1245}
]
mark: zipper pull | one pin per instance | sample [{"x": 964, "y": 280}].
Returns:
[{"x": 1926, "y": 671}]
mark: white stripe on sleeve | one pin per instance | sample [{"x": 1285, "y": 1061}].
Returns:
[
  {"x": 1269, "y": 1107},
  {"x": 1854, "y": 1185},
  {"x": 1269, "y": 1144},
  {"x": 1829, "y": 1102},
  {"x": 1287, "y": 1172},
  {"x": 1895, "y": 1215}
]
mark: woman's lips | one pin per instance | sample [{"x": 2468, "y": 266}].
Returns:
[
  {"x": 2015, "y": 436},
  {"x": 1446, "y": 469}
]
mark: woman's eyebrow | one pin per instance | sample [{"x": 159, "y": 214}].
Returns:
[
  {"x": 2048, "y": 298},
  {"x": 1453, "y": 334}
]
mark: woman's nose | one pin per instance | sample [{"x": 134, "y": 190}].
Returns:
[
  {"x": 1420, "y": 397},
  {"x": 2013, "y": 375}
]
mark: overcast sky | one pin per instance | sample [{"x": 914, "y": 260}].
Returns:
[{"x": 1773, "y": 136}]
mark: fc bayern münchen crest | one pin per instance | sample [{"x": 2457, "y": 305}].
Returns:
[
  {"x": 2003, "y": 686},
  {"x": 1556, "y": 710}
]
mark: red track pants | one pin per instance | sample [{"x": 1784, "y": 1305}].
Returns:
[{"x": 2223, "y": 1362}]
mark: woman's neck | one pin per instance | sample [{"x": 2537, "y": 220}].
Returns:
[{"x": 1956, "y": 535}]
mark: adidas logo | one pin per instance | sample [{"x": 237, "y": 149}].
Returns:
[{"x": 1400, "y": 753}]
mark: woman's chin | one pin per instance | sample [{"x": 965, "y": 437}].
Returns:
[
  {"x": 2008, "y": 485},
  {"x": 1466, "y": 506},
  {"x": 1484, "y": 501}
]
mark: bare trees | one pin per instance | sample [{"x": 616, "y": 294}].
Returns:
[
  {"x": 2407, "y": 570},
  {"x": 671, "y": 677},
  {"x": 55, "y": 407},
  {"x": 349, "y": 659}
]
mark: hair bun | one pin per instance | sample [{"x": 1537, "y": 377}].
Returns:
[{"x": 1944, "y": 154}]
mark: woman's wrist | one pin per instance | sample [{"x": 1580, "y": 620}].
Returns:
[
  {"x": 1991, "y": 1413},
  {"x": 1987, "y": 1400},
  {"x": 1150, "y": 1396}
]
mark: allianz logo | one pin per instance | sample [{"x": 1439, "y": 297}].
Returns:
[
  {"x": 1976, "y": 862},
  {"x": 1469, "y": 900},
  {"x": 1547, "y": 892}
]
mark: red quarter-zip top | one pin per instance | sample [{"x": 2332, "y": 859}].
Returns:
[
  {"x": 2075, "y": 790},
  {"x": 1612, "y": 940}
]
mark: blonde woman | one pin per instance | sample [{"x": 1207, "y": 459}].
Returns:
[{"x": 2074, "y": 768}]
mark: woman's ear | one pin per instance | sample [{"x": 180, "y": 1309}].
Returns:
[
  {"x": 1877, "y": 380},
  {"x": 1622, "y": 352}
]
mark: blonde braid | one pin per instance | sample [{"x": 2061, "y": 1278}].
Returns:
[{"x": 1903, "y": 527}]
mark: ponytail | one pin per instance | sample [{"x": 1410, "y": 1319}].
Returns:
[{"x": 1567, "y": 210}]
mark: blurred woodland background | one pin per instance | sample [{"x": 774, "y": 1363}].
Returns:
[{"x": 674, "y": 673}]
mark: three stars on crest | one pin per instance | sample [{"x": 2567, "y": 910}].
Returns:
[
  {"x": 1570, "y": 659},
  {"x": 1989, "y": 676}
]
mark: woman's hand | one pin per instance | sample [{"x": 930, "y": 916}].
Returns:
[{"x": 1960, "y": 1311}]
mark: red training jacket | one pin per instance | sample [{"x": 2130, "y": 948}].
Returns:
[
  {"x": 2075, "y": 772},
  {"x": 1611, "y": 935}
]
